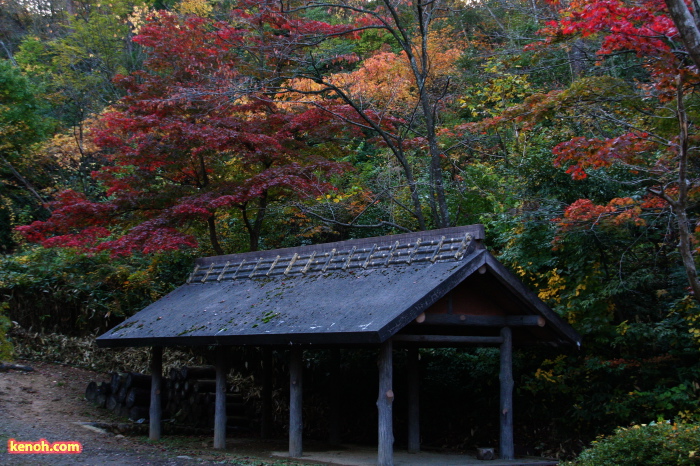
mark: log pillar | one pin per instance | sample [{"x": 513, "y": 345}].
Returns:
[
  {"x": 295, "y": 402},
  {"x": 155, "y": 410},
  {"x": 506, "y": 378},
  {"x": 413, "y": 401},
  {"x": 220, "y": 403},
  {"x": 266, "y": 421},
  {"x": 385, "y": 448},
  {"x": 336, "y": 386}
]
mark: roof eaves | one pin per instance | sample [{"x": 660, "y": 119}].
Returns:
[
  {"x": 511, "y": 282},
  {"x": 358, "y": 338},
  {"x": 465, "y": 269}
]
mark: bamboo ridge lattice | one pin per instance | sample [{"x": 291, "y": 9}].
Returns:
[{"x": 441, "y": 249}]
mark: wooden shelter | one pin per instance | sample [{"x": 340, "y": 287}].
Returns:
[{"x": 424, "y": 289}]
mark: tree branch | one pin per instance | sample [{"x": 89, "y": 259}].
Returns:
[
  {"x": 26, "y": 183},
  {"x": 382, "y": 223}
]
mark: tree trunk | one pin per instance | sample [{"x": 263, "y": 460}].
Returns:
[
  {"x": 413, "y": 188},
  {"x": 687, "y": 28},
  {"x": 213, "y": 237},
  {"x": 685, "y": 245},
  {"x": 254, "y": 228},
  {"x": 428, "y": 106}
]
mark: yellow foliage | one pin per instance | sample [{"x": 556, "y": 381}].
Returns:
[
  {"x": 194, "y": 7},
  {"x": 137, "y": 18},
  {"x": 499, "y": 90},
  {"x": 555, "y": 285},
  {"x": 70, "y": 149},
  {"x": 138, "y": 279},
  {"x": 687, "y": 307},
  {"x": 548, "y": 374},
  {"x": 694, "y": 326},
  {"x": 623, "y": 327},
  {"x": 336, "y": 197}
]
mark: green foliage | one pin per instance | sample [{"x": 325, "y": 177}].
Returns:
[
  {"x": 6, "y": 349},
  {"x": 61, "y": 290},
  {"x": 625, "y": 292},
  {"x": 375, "y": 40},
  {"x": 585, "y": 394},
  {"x": 77, "y": 68},
  {"x": 500, "y": 90},
  {"x": 23, "y": 123},
  {"x": 661, "y": 444},
  {"x": 22, "y": 115}
]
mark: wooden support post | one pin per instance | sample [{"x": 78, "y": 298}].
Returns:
[
  {"x": 506, "y": 379},
  {"x": 334, "y": 420},
  {"x": 413, "y": 402},
  {"x": 295, "y": 402},
  {"x": 266, "y": 421},
  {"x": 385, "y": 450},
  {"x": 154, "y": 426},
  {"x": 220, "y": 403}
]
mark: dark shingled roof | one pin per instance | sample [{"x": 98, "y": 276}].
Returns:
[{"x": 353, "y": 292}]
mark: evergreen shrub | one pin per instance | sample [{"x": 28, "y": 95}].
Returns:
[{"x": 663, "y": 443}]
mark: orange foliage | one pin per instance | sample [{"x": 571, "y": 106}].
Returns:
[
  {"x": 619, "y": 211},
  {"x": 385, "y": 81},
  {"x": 622, "y": 211},
  {"x": 581, "y": 153}
]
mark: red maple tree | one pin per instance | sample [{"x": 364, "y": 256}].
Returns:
[
  {"x": 662, "y": 157},
  {"x": 195, "y": 136}
]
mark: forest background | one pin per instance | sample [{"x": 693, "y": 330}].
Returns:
[{"x": 138, "y": 135}]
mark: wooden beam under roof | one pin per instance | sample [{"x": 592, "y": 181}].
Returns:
[
  {"x": 481, "y": 321},
  {"x": 427, "y": 340}
]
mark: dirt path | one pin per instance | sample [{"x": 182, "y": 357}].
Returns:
[{"x": 48, "y": 403}]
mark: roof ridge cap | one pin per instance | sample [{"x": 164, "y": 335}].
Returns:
[
  {"x": 476, "y": 231},
  {"x": 295, "y": 261}
]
